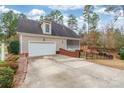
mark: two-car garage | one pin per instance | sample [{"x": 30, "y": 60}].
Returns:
[{"x": 41, "y": 48}]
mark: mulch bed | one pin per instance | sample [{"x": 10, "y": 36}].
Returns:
[{"x": 21, "y": 71}]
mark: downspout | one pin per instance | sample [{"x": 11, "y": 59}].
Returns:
[{"x": 20, "y": 40}]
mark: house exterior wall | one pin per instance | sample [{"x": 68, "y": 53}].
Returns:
[{"x": 60, "y": 43}]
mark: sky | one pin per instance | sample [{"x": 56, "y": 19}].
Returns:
[{"x": 35, "y": 11}]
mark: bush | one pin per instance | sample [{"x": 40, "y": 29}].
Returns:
[
  {"x": 4, "y": 64},
  {"x": 11, "y": 62},
  {"x": 6, "y": 77},
  {"x": 14, "y": 66},
  {"x": 122, "y": 55},
  {"x": 13, "y": 58},
  {"x": 1, "y": 62},
  {"x": 14, "y": 47}
]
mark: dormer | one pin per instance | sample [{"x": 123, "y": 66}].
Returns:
[{"x": 46, "y": 27}]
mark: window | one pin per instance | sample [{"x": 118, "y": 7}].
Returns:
[
  {"x": 72, "y": 44},
  {"x": 47, "y": 28}
]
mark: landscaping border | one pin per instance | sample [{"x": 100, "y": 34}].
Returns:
[
  {"x": 69, "y": 53},
  {"x": 21, "y": 71}
]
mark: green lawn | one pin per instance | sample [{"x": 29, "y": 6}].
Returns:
[
  {"x": 0, "y": 49},
  {"x": 1, "y": 62},
  {"x": 0, "y": 53}
]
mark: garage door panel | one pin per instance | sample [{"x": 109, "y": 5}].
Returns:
[{"x": 41, "y": 49}]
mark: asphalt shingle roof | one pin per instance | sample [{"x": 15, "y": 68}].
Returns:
[{"x": 34, "y": 27}]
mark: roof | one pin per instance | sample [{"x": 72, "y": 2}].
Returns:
[{"x": 34, "y": 27}]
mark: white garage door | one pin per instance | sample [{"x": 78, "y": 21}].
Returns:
[{"x": 41, "y": 48}]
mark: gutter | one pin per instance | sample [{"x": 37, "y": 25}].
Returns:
[{"x": 48, "y": 36}]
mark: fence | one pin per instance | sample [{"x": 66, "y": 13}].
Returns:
[{"x": 96, "y": 55}]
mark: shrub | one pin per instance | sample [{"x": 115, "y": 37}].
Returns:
[
  {"x": 13, "y": 58},
  {"x": 4, "y": 64},
  {"x": 11, "y": 62},
  {"x": 6, "y": 77},
  {"x": 122, "y": 55},
  {"x": 14, "y": 47},
  {"x": 14, "y": 66},
  {"x": 1, "y": 62}
]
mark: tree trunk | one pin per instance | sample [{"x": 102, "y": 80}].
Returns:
[
  {"x": 123, "y": 9},
  {"x": 88, "y": 24},
  {"x": 2, "y": 51}
]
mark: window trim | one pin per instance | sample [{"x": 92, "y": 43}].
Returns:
[
  {"x": 47, "y": 25},
  {"x": 49, "y": 28}
]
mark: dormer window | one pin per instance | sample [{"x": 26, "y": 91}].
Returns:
[{"x": 46, "y": 27}]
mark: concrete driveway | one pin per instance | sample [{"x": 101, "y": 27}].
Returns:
[{"x": 66, "y": 72}]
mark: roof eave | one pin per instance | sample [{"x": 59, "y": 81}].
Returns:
[{"x": 49, "y": 36}]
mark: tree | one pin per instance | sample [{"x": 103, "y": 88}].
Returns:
[
  {"x": 84, "y": 27},
  {"x": 22, "y": 16},
  {"x": 72, "y": 22},
  {"x": 91, "y": 18},
  {"x": 94, "y": 21},
  {"x": 2, "y": 40},
  {"x": 115, "y": 8},
  {"x": 118, "y": 39},
  {"x": 42, "y": 18},
  {"x": 87, "y": 12},
  {"x": 115, "y": 35},
  {"x": 112, "y": 37},
  {"x": 56, "y": 16},
  {"x": 8, "y": 22},
  {"x": 2, "y": 34},
  {"x": 93, "y": 29},
  {"x": 82, "y": 30}
]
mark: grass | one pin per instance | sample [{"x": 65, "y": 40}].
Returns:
[
  {"x": 1, "y": 62},
  {"x": 115, "y": 63},
  {"x": 0, "y": 49}
]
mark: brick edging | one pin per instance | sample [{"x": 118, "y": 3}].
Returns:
[
  {"x": 21, "y": 71},
  {"x": 69, "y": 53}
]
